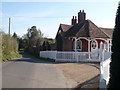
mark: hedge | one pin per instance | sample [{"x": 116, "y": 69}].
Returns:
[{"x": 8, "y": 46}]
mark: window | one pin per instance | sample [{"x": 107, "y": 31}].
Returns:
[
  {"x": 79, "y": 45},
  {"x": 94, "y": 45}
]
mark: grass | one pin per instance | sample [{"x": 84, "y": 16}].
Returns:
[{"x": 9, "y": 57}]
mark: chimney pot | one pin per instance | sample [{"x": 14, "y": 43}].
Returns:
[
  {"x": 73, "y": 17},
  {"x": 75, "y": 20}
]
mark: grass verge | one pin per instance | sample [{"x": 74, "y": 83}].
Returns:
[{"x": 9, "y": 57}]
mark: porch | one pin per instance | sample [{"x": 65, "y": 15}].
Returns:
[
  {"x": 65, "y": 56},
  {"x": 88, "y": 44}
]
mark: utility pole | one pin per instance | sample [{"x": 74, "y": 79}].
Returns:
[{"x": 9, "y": 25}]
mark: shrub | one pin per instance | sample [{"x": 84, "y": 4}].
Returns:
[{"x": 9, "y": 47}]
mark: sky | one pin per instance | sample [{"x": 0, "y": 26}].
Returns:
[{"x": 47, "y": 16}]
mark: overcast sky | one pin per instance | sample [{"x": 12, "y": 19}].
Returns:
[{"x": 47, "y": 16}]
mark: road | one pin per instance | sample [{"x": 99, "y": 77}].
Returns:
[{"x": 29, "y": 72}]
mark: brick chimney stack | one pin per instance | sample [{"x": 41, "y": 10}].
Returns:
[
  {"x": 74, "y": 20},
  {"x": 81, "y": 16}
]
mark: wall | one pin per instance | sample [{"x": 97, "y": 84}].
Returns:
[
  {"x": 67, "y": 44},
  {"x": 84, "y": 45},
  {"x": 99, "y": 40}
]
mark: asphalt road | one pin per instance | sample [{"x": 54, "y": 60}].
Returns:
[{"x": 28, "y": 72}]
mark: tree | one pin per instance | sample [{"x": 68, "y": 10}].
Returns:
[
  {"x": 46, "y": 46},
  {"x": 33, "y": 34},
  {"x": 34, "y": 39},
  {"x": 14, "y": 35},
  {"x": 38, "y": 46},
  {"x": 115, "y": 57},
  {"x": 22, "y": 44}
]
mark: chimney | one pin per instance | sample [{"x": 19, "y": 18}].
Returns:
[
  {"x": 74, "y": 20},
  {"x": 81, "y": 16}
]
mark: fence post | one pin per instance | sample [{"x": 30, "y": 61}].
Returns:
[
  {"x": 89, "y": 48},
  {"x": 55, "y": 55},
  {"x": 39, "y": 54},
  {"x": 108, "y": 47},
  {"x": 102, "y": 85},
  {"x": 100, "y": 51},
  {"x": 76, "y": 55},
  {"x": 75, "y": 43},
  {"x": 103, "y": 53}
]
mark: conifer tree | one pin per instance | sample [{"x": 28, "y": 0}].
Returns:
[
  {"x": 115, "y": 57},
  {"x": 14, "y": 35}
]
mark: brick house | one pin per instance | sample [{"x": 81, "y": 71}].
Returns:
[{"x": 82, "y": 35}]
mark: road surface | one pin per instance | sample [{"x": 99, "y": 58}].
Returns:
[{"x": 28, "y": 72}]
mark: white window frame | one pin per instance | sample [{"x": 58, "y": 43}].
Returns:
[
  {"x": 96, "y": 45},
  {"x": 79, "y": 49}
]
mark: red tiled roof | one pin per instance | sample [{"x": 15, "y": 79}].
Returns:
[
  {"x": 95, "y": 31},
  {"x": 65, "y": 27},
  {"x": 108, "y": 31},
  {"x": 84, "y": 29}
]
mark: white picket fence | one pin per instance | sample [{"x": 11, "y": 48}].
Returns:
[
  {"x": 104, "y": 73},
  {"x": 48, "y": 54},
  {"x": 105, "y": 70},
  {"x": 61, "y": 56}
]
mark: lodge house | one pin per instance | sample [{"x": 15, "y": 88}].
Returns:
[{"x": 82, "y": 35}]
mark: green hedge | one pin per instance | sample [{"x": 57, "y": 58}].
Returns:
[{"x": 9, "y": 47}]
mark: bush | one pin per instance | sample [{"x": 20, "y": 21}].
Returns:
[
  {"x": 9, "y": 47},
  {"x": 9, "y": 57}
]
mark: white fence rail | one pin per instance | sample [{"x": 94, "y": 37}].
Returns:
[
  {"x": 107, "y": 55},
  {"x": 71, "y": 56},
  {"x": 77, "y": 56},
  {"x": 104, "y": 73},
  {"x": 48, "y": 54}
]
